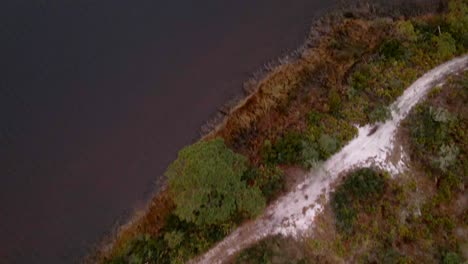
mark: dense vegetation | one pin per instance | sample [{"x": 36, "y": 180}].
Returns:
[
  {"x": 207, "y": 187},
  {"x": 276, "y": 249},
  {"x": 300, "y": 114},
  {"x": 417, "y": 217},
  {"x": 412, "y": 48},
  {"x": 360, "y": 188}
]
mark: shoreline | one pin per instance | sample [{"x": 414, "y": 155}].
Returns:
[{"x": 253, "y": 88}]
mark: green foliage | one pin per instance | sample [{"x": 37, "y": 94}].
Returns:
[
  {"x": 275, "y": 249},
  {"x": 379, "y": 114},
  {"x": 328, "y": 145},
  {"x": 434, "y": 133},
  {"x": 392, "y": 49},
  {"x": 310, "y": 154},
  {"x": 438, "y": 137},
  {"x": 324, "y": 136},
  {"x": 286, "y": 150},
  {"x": 340, "y": 129},
  {"x": 457, "y": 19},
  {"x": 179, "y": 240},
  {"x": 206, "y": 184},
  {"x": 430, "y": 129},
  {"x": 445, "y": 46},
  {"x": 313, "y": 117},
  {"x": 269, "y": 179},
  {"x": 250, "y": 202},
  {"x": 300, "y": 148},
  {"x": 173, "y": 238},
  {"x": 413, "y": 48},
  {"x": 447, "y": 157},
  {"x": 144, "y": 249},
  {"x": 360, "y": 78},
  {"x": 334, "y": 101},
  {"x": 359, "y": 187},
  {"x": 405, "y": 31},
  {"x": 452, "y": 258}
]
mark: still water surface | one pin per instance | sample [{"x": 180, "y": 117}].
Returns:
[{"x": 96, "y": 97}]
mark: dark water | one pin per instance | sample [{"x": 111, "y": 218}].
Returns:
[{"x": 97, "y": 97}]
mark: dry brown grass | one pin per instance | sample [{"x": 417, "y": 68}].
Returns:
[
  {"x": 281, "y": 98},
  {"x": 147, "y": 221}
]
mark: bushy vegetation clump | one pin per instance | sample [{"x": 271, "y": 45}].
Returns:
[
  {"x": 269, "y": 179},
  {"x": 324, "y": 136},
  {"x": 358, "y": 189},
  {"x": 206, "y": 182},
  {"x": 274, "y": 249}
]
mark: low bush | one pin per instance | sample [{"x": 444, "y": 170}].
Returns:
[
  {"x": 269, "y": 179},
  {"x": 435, "y": 138},
  {"x": 328, "y": 145},
  {"x": 379, "y": 114},
  {"x": 143, "y": 249},
  {"x": 286, "y": 150},
  {"x": 358, "y": 188},
  {"x": 452, "y": 258},
  {"x": 274, "y": 249},
  {"x": 301, "y": 149},
  {"x": 392, "y": 49}
]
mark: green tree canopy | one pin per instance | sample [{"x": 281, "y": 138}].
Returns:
[{"x": 205, "y": 183}]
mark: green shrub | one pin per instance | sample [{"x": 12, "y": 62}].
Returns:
[
  {"x": 429, "y": 129},
  {"x": 452, "y": 258},
  {"x": 334, "y": 102},
  {"x": 296, "y": 148},
  {"x": 184, "y": 240},
  {"x": 359, "y": 187},
  {"x": 205, "y": 183},
  {"x": 313, "y": 118},
  {"x": 286, "y": 150},
  {"x": 310, "y": 154},
  {"x": 173, "y": 239},
  {"x": 405, "y": 31},
  {"x": 457, "y": 19},
  {"x": 144, "y": 249},
  {"x": 379, "y": 114},
  {"x": 274, "y": 249},
  {"x": 447, "y": 157},
  {"x": 445, "y": 46},
  {"x": 328, "y": 145},
  {"x": 340, "y": 129},
  {"x": 392, "y": 49},
  {"x": 360, "y": 79},
  {"x": 269, "y": 179}
]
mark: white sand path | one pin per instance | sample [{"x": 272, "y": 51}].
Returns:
[{"x": 294, "y": 213}]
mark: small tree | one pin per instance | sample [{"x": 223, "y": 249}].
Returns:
[{"x": 205, "y": 183}]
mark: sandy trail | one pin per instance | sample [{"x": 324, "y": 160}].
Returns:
[{"x": 294, "y": 213}]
